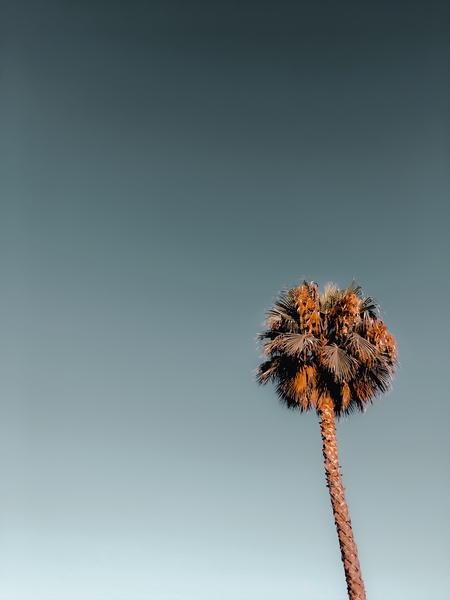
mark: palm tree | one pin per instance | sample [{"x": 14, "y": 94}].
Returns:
[{"x": 331, "y": 353}]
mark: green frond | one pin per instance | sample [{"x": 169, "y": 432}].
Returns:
[
  {"x": 354, "y": 288},
  {"x": 331, "y": 294}
]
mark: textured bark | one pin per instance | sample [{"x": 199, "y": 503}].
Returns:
[{"x": 349, "y": 553}]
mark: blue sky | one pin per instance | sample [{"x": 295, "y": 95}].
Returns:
[{"x": 167, "y": 168}]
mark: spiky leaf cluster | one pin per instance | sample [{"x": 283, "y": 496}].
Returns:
[{"x": 331, "y": 345}]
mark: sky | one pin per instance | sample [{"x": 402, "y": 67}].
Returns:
[{"x": 166, "y": 169}]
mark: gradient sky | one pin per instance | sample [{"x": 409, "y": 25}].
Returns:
[{"x": 168, "y": 167}]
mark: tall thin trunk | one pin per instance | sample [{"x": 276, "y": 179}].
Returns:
[{"x": 349, "y": 552}]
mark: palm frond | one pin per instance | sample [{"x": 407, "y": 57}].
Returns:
[
  {"x": 293, "y": 344},
  {"x": 285, "y": 302},
  {"x": 275, "y": 345},
  {"x": 338, "y": 362},
  {"x": 331, "y": 294},
  {"x": 360, "y": 348},
  {"x": 268, "y": 334},
  {"x": 281, "y": 368},
  {"x": 368, "y": 307},
  {"x": 297, "y": 344},
  {"x": 354, "y": 288},
  {"x": 282, "y": 315},
  {"x": 381, "y": 375},
  {"x": 267, "y": 371}
]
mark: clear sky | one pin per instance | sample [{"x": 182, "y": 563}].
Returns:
[{"x": 168, "y": 167}]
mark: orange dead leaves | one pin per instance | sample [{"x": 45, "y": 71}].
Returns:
[
  {"x": 344, "y": 314},
  {"x": 304, "y": 385},
  {"x": 377, "y": 334},
  {"x": 345, "y": 396},
  {"x": 307, "y": 302},
  {"x": 363, "y": 390}
]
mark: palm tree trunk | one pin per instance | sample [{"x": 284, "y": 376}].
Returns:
[{"x": 349, "y": 552}]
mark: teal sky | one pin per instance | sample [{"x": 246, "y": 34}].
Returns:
[{"x": 166, "y": 168}]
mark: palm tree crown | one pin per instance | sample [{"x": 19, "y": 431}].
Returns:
[{"x": 332, "y": 345}]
